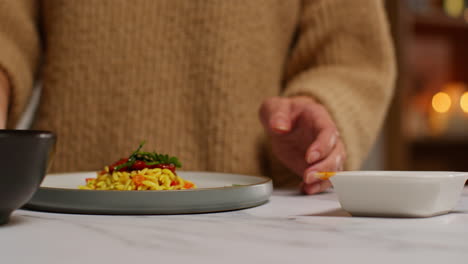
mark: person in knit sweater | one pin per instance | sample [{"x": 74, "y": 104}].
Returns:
[{"x": 190, "y": 77}]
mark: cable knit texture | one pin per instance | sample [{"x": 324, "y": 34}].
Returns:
[{"x": 189, "y": 76}]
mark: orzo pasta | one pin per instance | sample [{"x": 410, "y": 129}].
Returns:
[{"x": 140, "y": 171}]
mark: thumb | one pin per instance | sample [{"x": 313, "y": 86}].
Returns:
[{"x": 275, "y": 114}]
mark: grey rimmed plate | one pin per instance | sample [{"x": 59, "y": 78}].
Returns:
[{"x": 216, "y": 192}]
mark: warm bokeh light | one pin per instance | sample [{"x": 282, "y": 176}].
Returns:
[
  {"x": 441, "y": 102},
  {"x": 454, "y": 8},
  {"x": 464, "y": 102}
]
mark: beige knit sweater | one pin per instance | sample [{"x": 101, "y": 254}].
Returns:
[{"x": 188, "y": 76}]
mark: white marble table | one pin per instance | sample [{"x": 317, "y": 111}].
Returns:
[{"x": 289, "y": 229}]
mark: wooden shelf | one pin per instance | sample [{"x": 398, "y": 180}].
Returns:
[
  {"x": 460, "y": 142},
  {"x": 439, "y": 21},
  {"x": 430, "y": 49},
  {"x": 438, "y": 155}
]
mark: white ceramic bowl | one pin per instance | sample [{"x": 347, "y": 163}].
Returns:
[{"x": 398, "y": 193}]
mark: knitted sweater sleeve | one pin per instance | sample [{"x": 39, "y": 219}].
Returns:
[
  {"x": 19, "y": 51},
  {"x": 343, "y": 57}
]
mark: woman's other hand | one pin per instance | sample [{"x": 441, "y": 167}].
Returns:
[
  {"x": 4, "y": 98},
  {"x": 304, "y": 138}
]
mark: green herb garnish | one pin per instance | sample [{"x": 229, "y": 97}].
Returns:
[{"x": 149, "y": 158}]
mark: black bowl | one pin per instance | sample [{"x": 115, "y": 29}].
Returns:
[{"x": 24, "y": 159}]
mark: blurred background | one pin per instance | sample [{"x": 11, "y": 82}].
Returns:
[{"x": 427, "y": 124}]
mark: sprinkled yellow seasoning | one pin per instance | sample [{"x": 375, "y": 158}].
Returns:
[{"x": 325, "y": 175}]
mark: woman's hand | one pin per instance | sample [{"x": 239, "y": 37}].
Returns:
[
  {"x": 304, "y": 137},
  {"x": 4, "y": 97}
]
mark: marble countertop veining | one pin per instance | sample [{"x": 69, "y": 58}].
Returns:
[{"x": 290, "y": 228}]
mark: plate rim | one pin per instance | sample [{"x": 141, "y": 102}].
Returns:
[
  {"x": 194, "y": 201},
  {"x": 265, "y": 180}
]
